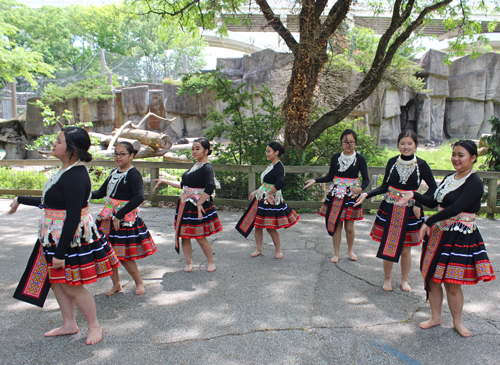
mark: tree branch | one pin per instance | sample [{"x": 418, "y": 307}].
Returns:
[
  {"x": 320, "y": 7},
  {"x": 165, "y": 12},
  {"x": 374, "y": 75},
  {"x": 277, "y": 25},
  {"x": 336, "y": 15}
]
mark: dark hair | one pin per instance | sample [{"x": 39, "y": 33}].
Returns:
[
  {"x": 204, "y": 143},
  {"x": 408, "y": 133},
  {"x": 469, "y": 145},
  {"x": 128, "y": 146},
  {"x": 276, "y": 146},
  {"x": 346, "y": 133},
  {"x": 77, "y": 143}
]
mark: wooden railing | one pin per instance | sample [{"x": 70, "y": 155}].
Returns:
[{"x": 491, "y": 181}]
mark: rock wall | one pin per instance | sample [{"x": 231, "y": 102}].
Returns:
[{"x": 461, "y": 99}]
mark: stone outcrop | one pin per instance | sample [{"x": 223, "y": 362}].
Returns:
[{"x": 460, "y": 99}]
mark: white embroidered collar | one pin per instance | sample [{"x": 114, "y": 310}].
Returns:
[
  {"x": 346, "y": 161},
  {"x": 448, "y": 185}
]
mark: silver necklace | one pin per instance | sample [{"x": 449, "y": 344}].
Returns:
[
  {"x": 448, "y": 185},
  {"x": 405, "y": 169},
  {"x": 53, "y": 179},
  {"x": 346, "y": 161}
]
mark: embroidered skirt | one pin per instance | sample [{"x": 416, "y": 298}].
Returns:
[
  {"x": 188, "y": 225},
  {"x": 455, "y": 257},
  {"x": 131, "y": 242},
  {"x": 335, "y": 210},
  {"x": 86, "y": 263},
  {"x": 394, "y": 227},
  {"x": 263, "y": 215}
]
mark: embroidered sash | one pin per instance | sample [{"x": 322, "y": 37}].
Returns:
[
  {"x": 431, "y": 250},
  {"x": 51, "y": 224},
  {"x": 341, "y": 186},
  {"x": 394, "y": 234},
  {"x": 191, "y": 194},
  {"x": 246, "y": 222},
  {"x": 463, "y": 222},
  {"x": 111, "y": 207},
  {"x": 34, "y": 284},
  {"x": 264, "y": 189}
]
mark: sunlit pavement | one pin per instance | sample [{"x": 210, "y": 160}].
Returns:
[{"x": 299, "y": 310}]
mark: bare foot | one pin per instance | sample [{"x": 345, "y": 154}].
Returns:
[
  {"x": 62, "y": 331},
  {"x": 139, "y": 288},
  {"x": 335, "y": 259},
  {"x": 353, "y": 256},
  {"x": 405, "y": 286},
  {"x": 188, "y": 268},
  {"x": 256, "y": 253},
  {"x": 430, "y": 323},
  {"x": 95, "y": 335},
  {"x": 387, "y": 285},
  {"x": 114, "y": 289},
  {"x": 211, "y": 267},
  {"x": 279, "y": 255},
  {"x": 460, "y": 328}
]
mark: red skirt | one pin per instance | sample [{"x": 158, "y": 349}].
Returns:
[
  {"x": 83, "y": 264},
  {"x": 395, "y": 227},
  {"x": 335, "y": 210},
  {"x": 263, "y": 215},
  {"x": 188, "y": 225},
  {"x": 455, "y": 257},
  {"x": 129, "y": 243}
]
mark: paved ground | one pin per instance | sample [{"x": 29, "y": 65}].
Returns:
[{"x": 299, "y": 310}]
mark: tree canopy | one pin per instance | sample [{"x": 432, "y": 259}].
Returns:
[{"x": 320, "y": 21}]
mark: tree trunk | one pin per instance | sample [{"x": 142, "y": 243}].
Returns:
[{"x": 153, "y": 139}]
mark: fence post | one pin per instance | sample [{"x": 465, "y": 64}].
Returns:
[
  {"x": 251, "y": 180},
  {"x": 154, "y": 174},
  {"x": 492, "y": 197}
]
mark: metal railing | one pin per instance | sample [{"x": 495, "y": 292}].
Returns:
[{"x": 152, "y": 170}]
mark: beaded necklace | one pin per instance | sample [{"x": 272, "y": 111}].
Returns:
[{"x": 405, "y": 169}]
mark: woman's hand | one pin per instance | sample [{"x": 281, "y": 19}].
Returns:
[
  {"x": 57, "y": 264},
  {"x": 270, "y": 199},
  {"x": 116, "y": 223},
  {"x": 200, "y": 211},
  {"x": 361, "y": 199},
  {"x": 417, "y": 211},
  {"x": 159, "y": 182},
  {"x": 252, "y": 195},
  {"x": 357, "y": 190},
  {"x": 424, "y": 231},
  {"x": 309, "y": 183},
  {"x": 407, "y": 196},
  {"x": 13, "y": 206}
]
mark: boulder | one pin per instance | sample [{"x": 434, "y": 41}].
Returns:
[
  {"x": 471, "y": 86},
  {"x": 135, "y": 100}
]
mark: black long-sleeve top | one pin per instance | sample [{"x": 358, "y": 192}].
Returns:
[
  {"x": 70, "y": 193},
  {"x": 276, "y": 176},
  {"x": 466, "y": 198},
  {"x": 352, "y": 172},
  {"x": 202, "y": 178},
  {"x": 130, "y": 188},
  {"x": 411, "y": 184}
]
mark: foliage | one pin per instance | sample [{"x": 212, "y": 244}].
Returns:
[
  {"x": 68, "y": 38},
  {"x": 91, "y": 89},
  {"x": 493, "y": 153},
  {"x": 17, "y": 61},
  {"x": 49, "y": 119},
  {"x": 10, "y": 179},
  {"x": 247, "y": 126},
  {"x": 320, "y": 151}
]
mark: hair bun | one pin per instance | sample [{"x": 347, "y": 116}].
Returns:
[{"x": 87, "y": 157}]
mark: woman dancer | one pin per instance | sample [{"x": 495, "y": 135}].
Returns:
[
  {"x": 267, "y": 209},
  {"x": 119, "y": 220},
  {"x": 396, "y": 227},
  {"x": 196, "y": 217},
  {"x": 338, "y": 208},
  {"x": 73, "y": 251},
  {"x": 453, "y": 251}
]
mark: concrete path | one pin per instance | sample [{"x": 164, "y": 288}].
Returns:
[{"x": 299, "y": 310}]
